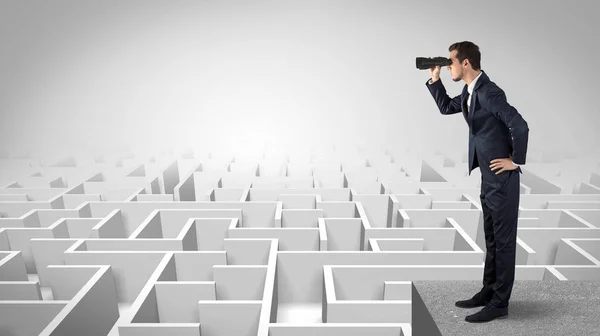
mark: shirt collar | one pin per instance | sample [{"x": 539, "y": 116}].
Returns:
[{"x": 472, "y": 85}]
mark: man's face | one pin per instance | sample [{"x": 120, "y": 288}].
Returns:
[{"x": 456, "y": 69}]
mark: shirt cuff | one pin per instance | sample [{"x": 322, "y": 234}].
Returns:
[{"x": 516, "y": 164}]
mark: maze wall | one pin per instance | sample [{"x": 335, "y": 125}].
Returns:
[{"x": 322, "y": 243}]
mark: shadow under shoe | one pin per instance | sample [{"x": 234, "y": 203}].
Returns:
[
  {"x": 478, "y": 300},
  {"x": 488, "y": 313}
]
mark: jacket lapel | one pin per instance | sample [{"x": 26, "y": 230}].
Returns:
[
  {"x": 472, "y": 108},
  {"x": 482, "y": 79}
]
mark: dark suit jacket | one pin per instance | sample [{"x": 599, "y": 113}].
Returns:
[{"x": 496, "y": 129}]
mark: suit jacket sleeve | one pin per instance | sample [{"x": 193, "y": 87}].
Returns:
[
  {"x": 445, "y": 104},
  {"x": 495, "y": 102}
]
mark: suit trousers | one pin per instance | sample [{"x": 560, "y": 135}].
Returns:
[{"x": 500, "y": 205}]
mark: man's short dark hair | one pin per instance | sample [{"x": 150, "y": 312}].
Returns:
[{"x": 467, "y": 50}]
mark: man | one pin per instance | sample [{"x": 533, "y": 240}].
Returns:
[{"x": 498, "y": 137}]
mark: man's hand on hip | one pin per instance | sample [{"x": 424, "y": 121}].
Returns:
[{"x": 502, "y": 165}]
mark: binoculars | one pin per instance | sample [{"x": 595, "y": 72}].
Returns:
[{"x": 424, "y": 63}]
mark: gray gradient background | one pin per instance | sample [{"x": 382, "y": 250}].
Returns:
[{"x": 102, "y": 75}]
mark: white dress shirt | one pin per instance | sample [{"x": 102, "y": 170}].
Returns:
[{"x": 470, "y": 90}]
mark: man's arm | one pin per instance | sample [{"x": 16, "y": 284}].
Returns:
[
  {"x": 445, "y": 104},
  {"x": 495, "y": 102}
]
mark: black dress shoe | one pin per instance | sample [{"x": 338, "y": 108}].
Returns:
[
  {"x": 488, "y": 313},
  {"x": 478, "y": 300}
]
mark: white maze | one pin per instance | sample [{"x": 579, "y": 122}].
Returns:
[{"x": 327, "y": 243}]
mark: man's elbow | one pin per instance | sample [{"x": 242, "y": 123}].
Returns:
[
  {"x": 449, "y": 110},
  {"x": 524, "y": 125},
  {"x": 520, "y": 129},
  {"x": 521, "y": 132}
]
